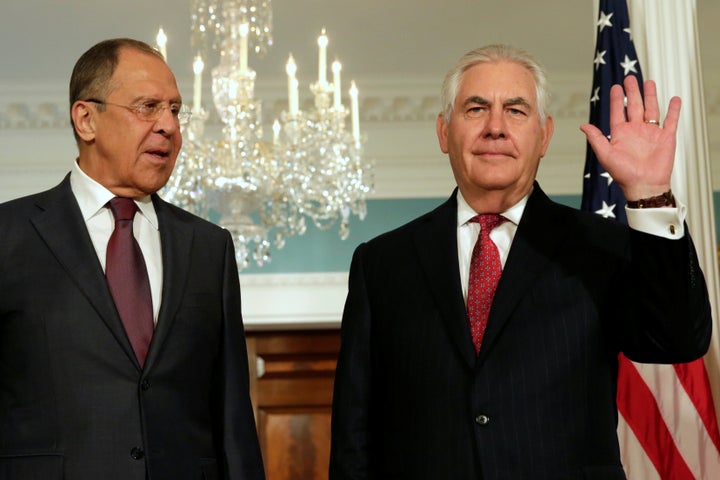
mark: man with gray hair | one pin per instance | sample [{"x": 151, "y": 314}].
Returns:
[{"x": 481, "y": 339}]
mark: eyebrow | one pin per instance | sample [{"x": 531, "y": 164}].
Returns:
[
  {"x": 507, "y": 103},
  {"x": 145, "y": 98}
]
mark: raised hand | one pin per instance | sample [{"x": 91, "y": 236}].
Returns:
[{"x": 641, "y": 150}]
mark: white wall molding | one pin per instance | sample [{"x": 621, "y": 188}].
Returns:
[{"x": 292, "y": 301}]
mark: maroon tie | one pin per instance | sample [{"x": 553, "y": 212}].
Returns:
[
  {"x": 127, "y": 278},
  {"x": 485, "y": 271}
]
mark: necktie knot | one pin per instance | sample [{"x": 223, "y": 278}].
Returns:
[
  {"x": 488, "y": 221},
  {"x": 123, "y": 208}
]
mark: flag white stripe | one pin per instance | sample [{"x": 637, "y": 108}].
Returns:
[
  {"x": 683, "y": 421},
  {"x": 636, "y": 463}
]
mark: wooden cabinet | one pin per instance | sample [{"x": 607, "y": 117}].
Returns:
[{"x": 292, "y": 376}]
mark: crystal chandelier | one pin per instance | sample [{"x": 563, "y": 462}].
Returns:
[{"x": 262, "y": 191}]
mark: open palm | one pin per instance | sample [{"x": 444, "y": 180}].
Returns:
[{"x": 640, "y": 152}]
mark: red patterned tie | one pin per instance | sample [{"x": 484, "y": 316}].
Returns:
[
  {"x": 485, "y": 271},
  {"x": 127, "y": 278}
]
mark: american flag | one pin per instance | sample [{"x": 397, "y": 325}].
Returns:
[
  {"x": 615, "y": 59},
  {"x": 675, "y": 443}
]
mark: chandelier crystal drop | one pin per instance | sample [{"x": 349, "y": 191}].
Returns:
[{"x": 263, "y": 191}]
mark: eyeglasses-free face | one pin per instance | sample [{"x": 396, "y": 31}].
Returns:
[{"x": 495, "y": 137}]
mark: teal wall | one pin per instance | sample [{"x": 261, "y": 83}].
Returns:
[{"x": 324, "y": 251}]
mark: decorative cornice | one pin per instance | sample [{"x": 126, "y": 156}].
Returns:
[
  {"x": 28, "y": 114},
  {"x": 389, "y": 101},
  {"x": 31, "y": 115}
]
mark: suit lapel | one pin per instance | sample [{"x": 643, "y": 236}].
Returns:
[
  {"x": 60, "y": 224},
  {"x": 537, "y": 240},
  {"x": 436, "y": 246},
  {"x": 176, "y": 237}
]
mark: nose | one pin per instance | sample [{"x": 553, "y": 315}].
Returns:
[
  {"x": 166, "y": 124},
  {"x": 495, "y": 124}
]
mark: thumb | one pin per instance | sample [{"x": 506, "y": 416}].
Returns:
[{"x": 598, "y": 142}]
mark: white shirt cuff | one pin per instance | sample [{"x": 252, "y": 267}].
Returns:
[{"x": 662, "y": 222}]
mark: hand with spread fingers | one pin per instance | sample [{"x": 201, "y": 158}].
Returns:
[{"x": 640, "y": 151}]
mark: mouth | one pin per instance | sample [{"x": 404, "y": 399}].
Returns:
[
  {"x": 492, "y": 154},
  {"x": 160, "y": 154}
]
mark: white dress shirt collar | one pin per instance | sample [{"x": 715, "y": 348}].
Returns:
[
  {"x": 92, "y": 197},
  {"x": 465, "y": 211}
]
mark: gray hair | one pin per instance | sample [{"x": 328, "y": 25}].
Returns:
[{"x": 494, "y": 54}]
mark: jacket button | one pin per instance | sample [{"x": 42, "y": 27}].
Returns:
[
  {"x": 145, "y": 384},
  {"x": 137, "y": 453},
  {"x": 482, "y": 419}
]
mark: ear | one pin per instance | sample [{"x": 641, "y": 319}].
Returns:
[
  {"x": 84, "y": 120},
  {"x": 548, "y": 129},
  {"x": 442, "y": 132}
]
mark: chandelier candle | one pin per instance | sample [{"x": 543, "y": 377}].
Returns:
[
  {"x": 291, "y": 68},
  {"x": 244, "y": 29},
  {"x": 198, "y": 67},
  {"x": 162, "y": 42},
  {"x": 336, "y": 67},
  {"x": 355, "y": 112},
  {"x": 322, "y": 60}
]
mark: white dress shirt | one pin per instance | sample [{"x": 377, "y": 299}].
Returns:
[
  {"x": 92, "y": 199},
  {"x": 663, "y": 222}
]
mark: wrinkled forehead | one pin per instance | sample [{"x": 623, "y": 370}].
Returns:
[
  {"x": 144, "y": 74},
  {"x": 497, "y": 81}
]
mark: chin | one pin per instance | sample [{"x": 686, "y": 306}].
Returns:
[
  {"x": 152, "y": 187},
  {"x": 496, "y": 183}
]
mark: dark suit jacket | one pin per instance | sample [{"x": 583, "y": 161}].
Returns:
[
  {"x": 413, "y": 401},
  {"x": 74, "y": 403}
]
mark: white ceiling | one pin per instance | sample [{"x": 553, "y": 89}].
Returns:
[{"x": 395, "y": 39}]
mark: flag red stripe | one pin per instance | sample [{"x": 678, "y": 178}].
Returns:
[
  {"x": 638, "y": 407},
  {"x": 695, "y": 381}
]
